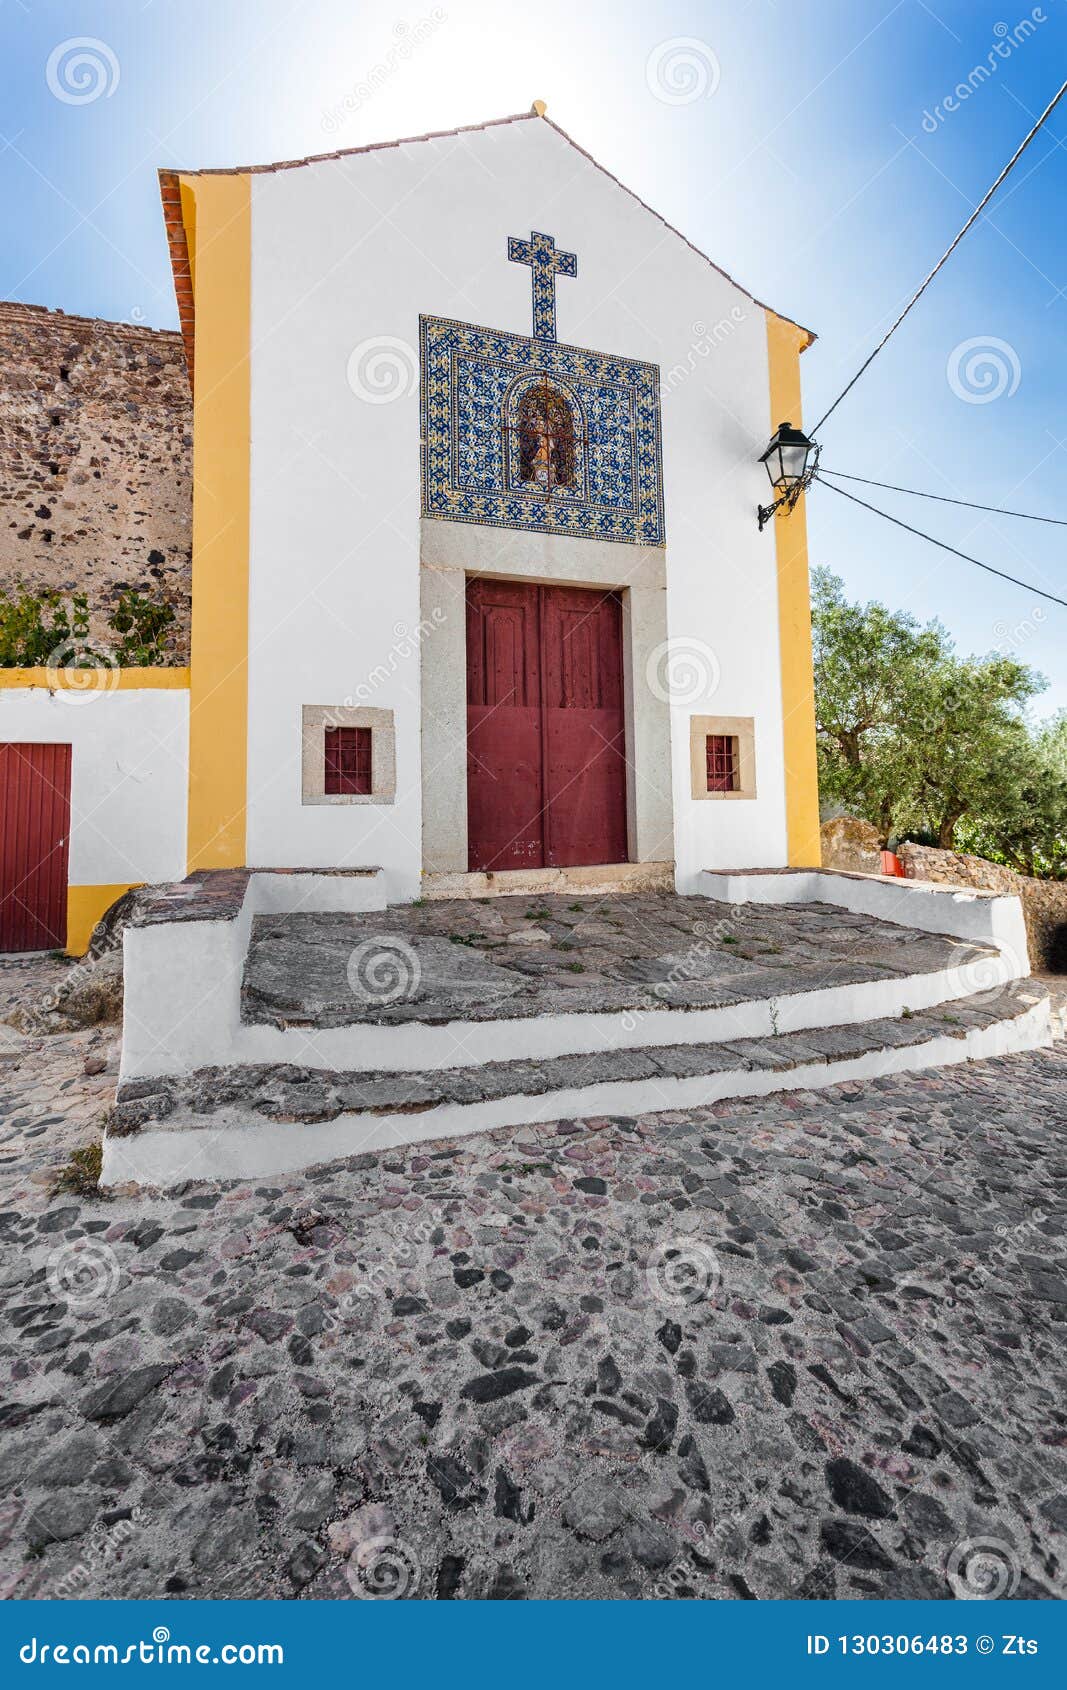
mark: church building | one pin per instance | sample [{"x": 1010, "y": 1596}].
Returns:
[{"x": 478, "y": 591}]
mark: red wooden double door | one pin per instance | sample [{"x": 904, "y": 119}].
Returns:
[
  {"x": 546, "y": 753},
  {"x": 34, "y": 834}
]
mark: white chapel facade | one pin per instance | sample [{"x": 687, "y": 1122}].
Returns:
[{"x": 477, "y": 583}]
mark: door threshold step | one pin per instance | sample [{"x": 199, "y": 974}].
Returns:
[
  {"x": 226, "y": 1123},
  {"x": 593, "y": 880}
]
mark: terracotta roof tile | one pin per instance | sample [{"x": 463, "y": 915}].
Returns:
[{"x": 170, "y": 193}]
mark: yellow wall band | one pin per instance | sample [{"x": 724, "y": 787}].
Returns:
[
  {"x": 784, "y": 345},
  {"x": 218, "y": 220},
  {"x": 97, "y": 680},
  {"x": 85, "y": 906},
  {"x": 187, "y": 197}
]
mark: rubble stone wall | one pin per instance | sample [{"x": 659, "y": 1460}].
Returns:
[
  {"x": 1044, "y": 901},
  {"x": 851, "y": 844},
  {"x": 95, "y": 461}
]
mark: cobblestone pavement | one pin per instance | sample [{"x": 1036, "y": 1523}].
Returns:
[{"x": 790, "y": 1347}]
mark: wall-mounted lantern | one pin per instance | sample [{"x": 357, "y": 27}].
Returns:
[{"x": 791, "y": 460}]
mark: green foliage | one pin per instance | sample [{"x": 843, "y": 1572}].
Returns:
[
  {"x": 44, "y": 629},
  {"x": 864, "y": 658},
  {"x": 925, "y": 744},
  {"x": 81, "y": 1175},
  {"x": 1028, "y": 830},
  {"x": 144, "y": 628},
  {"x": 36, "y": 626}
]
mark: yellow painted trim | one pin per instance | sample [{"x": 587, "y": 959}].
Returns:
[
  {"x": 187, "y": 197},
  {"x": 98, "y": 680},
  {"x": 85, "y": 906},
  {"x": 219, "y": 229},
  {"x": 785, "y": 342}
]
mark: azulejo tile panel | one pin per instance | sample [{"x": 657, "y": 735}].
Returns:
[{"x": 473, "y": 382}]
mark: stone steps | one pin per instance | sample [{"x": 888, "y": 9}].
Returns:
[
  {"x": 255, "y": 1120},
  {"x": 520, "y": 960},
  {"x": 449, "y": 1004}
]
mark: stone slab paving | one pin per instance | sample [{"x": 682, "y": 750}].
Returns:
[
  {"x": 495, "y": 958},
  {"x": 791, "y": 1347}
]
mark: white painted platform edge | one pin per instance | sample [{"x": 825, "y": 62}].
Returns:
[
  {"x": 183, "y": 985},
  {"x": 235, "y": 1151},
  {"x": 418, "y": 1046},
  {"x": 182, "y": 980},
  {"x": 988, "y": 918},
  {"x": 316, "y": 894}
]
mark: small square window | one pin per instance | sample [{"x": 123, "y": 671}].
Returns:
[
  {"x": 723, "y": 760},
  {"x": 348, "y": 760},
  {"x": 347, "y": 754},
  {"x": 722, "y": 757}
]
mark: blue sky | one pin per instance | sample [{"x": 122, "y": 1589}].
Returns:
[{"x": 816, "y": 161}]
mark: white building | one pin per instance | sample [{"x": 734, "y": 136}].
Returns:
[{"x": 477, "y": 581}]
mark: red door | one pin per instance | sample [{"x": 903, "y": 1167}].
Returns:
[
  {"x": 34, "y": 833},
  {"x": 505, "y": 808},
  {"x": 546, "y": 758}
]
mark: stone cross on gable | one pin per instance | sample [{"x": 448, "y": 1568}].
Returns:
[{"x": 539, "y": 252}]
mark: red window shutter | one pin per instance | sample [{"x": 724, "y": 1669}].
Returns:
[
  {"x": 363, "y": 760},
  {"x": 722, "y": 762},
  {"x": 348, "y": 760}
]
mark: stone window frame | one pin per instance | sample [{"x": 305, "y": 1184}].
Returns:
[
  {"x": 741, "y": 728},
  {"x": 315, "y": 719}
]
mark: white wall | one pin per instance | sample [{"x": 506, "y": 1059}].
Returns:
[
  {"x": 128, "y": 782},
  {"x": 351, "y": 250}
]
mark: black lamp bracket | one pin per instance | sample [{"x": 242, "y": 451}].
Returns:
[{"x": 788, "y": 499}]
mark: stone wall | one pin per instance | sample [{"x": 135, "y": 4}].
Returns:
[
  {"x": 1044, "y": 901},
  {"x": 851, "y": 844},
  {"x": 95, "y": 460}
]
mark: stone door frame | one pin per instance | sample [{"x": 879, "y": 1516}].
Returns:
[{"x": 449, "y": 552}]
